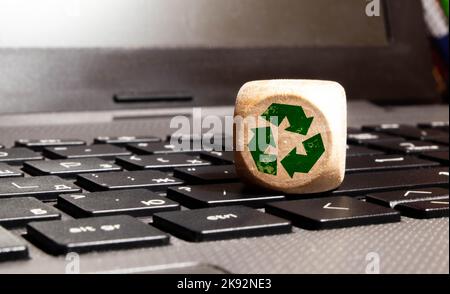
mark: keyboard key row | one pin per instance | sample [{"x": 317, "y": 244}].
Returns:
[{"x": 207, "y": 224}]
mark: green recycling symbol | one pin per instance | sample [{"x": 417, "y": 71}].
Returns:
[{"x": 298, "y": 123}]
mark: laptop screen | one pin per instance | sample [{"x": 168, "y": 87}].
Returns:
[
  {"x": 193, "y": 23},
  {"x": 77, "y": 55}
]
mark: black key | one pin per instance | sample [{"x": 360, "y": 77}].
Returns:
[
  {"x": 332, "y": 212},
  {"x": 138, "y": 202},
  {"x": 126, "y": 140},
  {"x": 392, "y": 198},
  {"x": 425, "y": 209},
  {"x": 11, "y": 247},
  {"x": 439, "y": 156},
  {"x": 100, "y": 150},
  {"x": 416, "y": 133},
  {"x": 208, "y": 141},
  {"x": 353, "y": 150},
  {"x": 440, "y": 140},
  {"x": 160, "y": 148},
  {"x": 17, "y": 212},
  {"x": 207, "y": 174},
  {"x": 381, "y": 127},
  {"x": 18, "y": 155},
  {"x": 408, "y": 132},
  {"x": 7, "y": 171},
  {"x": 222, "y": 157},
  {"x": 179, "y": 137},
  {"x": 352, "y": 130},
  {"x": 385, "y": 162},
  {"x": 443, "y": 125},
  {"x": 221, "y": 195},
  {"x": 38, "y": 145},
  {"x": 220, "y": 223},
  {"x": 67, "y": 167},
  {"x": 365, "y": 137},
  {"x": 162, "y": 162},
  {"x": 408, "y": 147},
  {"x": 393, "y": 180},
  {"x": 43, "y": 188},
  {"x": 96, "y": 233},
  {"x": 126, "y": 180}
]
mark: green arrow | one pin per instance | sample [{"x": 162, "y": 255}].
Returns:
[
  {"x": 296, "y": 163},
  {"x": 298, "y": 121},
  {"x": 266, "y": 163}
]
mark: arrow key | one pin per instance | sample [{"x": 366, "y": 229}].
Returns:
[
  {"x": 332, "y": 212},
  {"x": 393, "y": 198},
  {"x": 425, "y": 209}
]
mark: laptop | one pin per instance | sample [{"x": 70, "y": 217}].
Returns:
[{"x": 90, "y": 181}]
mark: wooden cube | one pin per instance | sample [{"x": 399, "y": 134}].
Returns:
[{"x": 290, "y": 135}]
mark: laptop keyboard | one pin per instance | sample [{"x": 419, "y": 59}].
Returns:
[{"x": 139, "y": 191}]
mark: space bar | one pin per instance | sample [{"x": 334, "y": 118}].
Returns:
[{"x": 357, "y": 184}]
